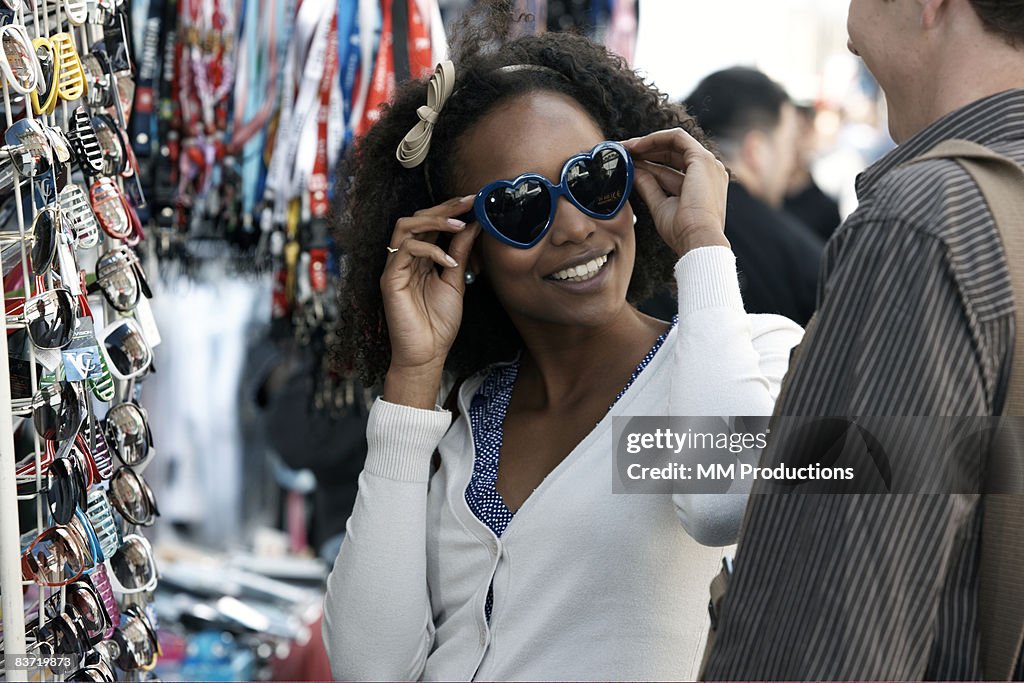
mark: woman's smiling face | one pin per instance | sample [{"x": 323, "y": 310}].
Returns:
[{"x": 537, "y": 133}]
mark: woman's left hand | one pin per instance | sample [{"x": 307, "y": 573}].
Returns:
[{"x": 684, "y": 186}]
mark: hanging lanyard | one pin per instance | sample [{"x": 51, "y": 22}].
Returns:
[
  {"x": 285, "y": 177},
  {"x": 370, "y": 23},
  {"x": 421, "y": 63},
  {"x": 143, "y": 130},
  {"x": 348, "y": 58},
  {"x": 382, "y": 83},
  {"x": 317, "y": 181}
]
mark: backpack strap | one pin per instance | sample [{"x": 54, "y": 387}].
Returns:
[{"x": 1001, "y": 570}]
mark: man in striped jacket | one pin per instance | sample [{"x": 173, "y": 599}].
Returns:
[{"x": 916, "y": 317}]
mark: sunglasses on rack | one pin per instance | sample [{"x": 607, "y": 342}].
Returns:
[
  {"x": 132, "y": 569},
  {"x": 109, "y": 205},
  {"x": 82, "y": 601},
  {"x": 35, "y": 148},
  {"x": 67, "y": 490},
  {"x": 128, "y": 353},
  {"x": 54, "y": 558},
  {"x": 49, "y": 317},
  {"x": 94, "y": 443},
  {"x": 101, "y": 516},
  {"x": 99, "y": 86},
  {"x": 77, "y": 11},
  {"x": 520, "y": 212},
  {"x": 132, "y": 497},
  {"x": 112, "y": 144},
  {"x": 18, "y": 63},
  {"x": 101, "y": 582},
  {"x": 62, "y": 553},
  {"x": 120, "y": 277},
  {"x": 84, "y": 142},
  {"x": 102, "y": 385},
  {"x": 44, "y": 96},
  {"x": 63, "y": 635},
  {"x": 29, "y": 148},
  {"x": 71, "y": 84},
  {"x": 47, "y": 228},
  {"x": 128, "y": 434},
  {"x": 94, "y": 462},
  {"x": 138, "y": 640},
  {"x": 57, "y": 411},
  {"x": 78, "y": 216}
]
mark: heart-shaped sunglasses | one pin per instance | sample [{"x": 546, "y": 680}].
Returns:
[{"x": 520, "y": 212}]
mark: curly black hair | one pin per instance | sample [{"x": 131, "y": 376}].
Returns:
[{"x": 376, "y": 191}]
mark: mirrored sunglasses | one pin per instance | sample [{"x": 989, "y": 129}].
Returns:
[
  {"x": 49, "y": 317},
  {"x": 140, "y": 647},
  {"x": 133, "y": 498},
  {"x": 120, "y": 277},
  {"x": 108, "y": 204},
  {"x": 19, "y": 66},
  {"x": 57, "y": 557},
  {"x": 74, "y": 205},
  {"x": 128, "y": 434},
  {"x": 57, "y": 411},
  {"x": 47, "y": 228},
  {"x": 132, "y": 569},
  {"x": 127, "y": 351},
  {"x": 44, "y": 96}
]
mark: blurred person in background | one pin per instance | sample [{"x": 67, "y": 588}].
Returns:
[
  {"x": 754, "y": 124},
  {"x": 806, "y": 201},
  {"x": 917, "y": 317}
]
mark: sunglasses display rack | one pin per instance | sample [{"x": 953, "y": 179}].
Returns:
[{"x": 75, "y": 571}]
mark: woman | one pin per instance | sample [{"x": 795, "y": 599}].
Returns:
[{"x": 505, "y": 554}]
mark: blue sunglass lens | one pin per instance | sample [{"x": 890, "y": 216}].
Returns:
[
  {"x": 598, "y": 183},
  {"x": 519, "y": 213}
]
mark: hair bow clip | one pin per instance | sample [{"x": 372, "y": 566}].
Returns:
[{"x": 413, "y": 149}]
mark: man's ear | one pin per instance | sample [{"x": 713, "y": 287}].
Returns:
[
  {"x": 933, "y": 12},
  {"x": 752, "y": 150}
]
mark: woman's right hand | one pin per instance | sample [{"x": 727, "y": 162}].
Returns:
[{"x": 423, "y": 306}]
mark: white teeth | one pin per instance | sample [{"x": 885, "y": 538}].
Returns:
[{"x": 583, "y": 272}]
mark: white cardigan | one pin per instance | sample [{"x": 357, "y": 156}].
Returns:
[{"x": 587, "y": 584}]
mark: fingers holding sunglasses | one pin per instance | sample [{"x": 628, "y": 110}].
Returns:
[
  {"x": 427, "y": 224},
  {"x": 669, "y": 180},
  {"x": 459, "y": 249},
  {"x": 688, "y": 204},
  {"x": 672, "y": 147}
]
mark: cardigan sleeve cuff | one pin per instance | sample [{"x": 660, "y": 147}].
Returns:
[
  {"x": 706, "y": 278},
  {"x": 401, "y": 440}
]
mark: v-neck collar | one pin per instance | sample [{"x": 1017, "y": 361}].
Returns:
[{"x": 487, "y": 412}]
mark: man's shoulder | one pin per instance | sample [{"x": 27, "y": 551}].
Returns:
[
  {"x": 936, "y": 200},
  {"x": 936, "y": 197}
]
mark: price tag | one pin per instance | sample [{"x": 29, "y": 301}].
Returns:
[{"x": 82, "y": 356}]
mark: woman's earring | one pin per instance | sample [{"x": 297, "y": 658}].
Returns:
[
  {"x": 470, "y": 277},
  {"x": 634, "y": 219}
]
